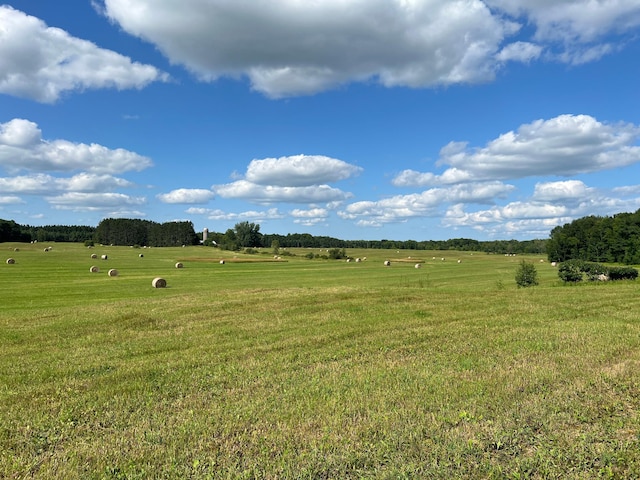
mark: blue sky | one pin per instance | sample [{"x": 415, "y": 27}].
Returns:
[{"x": 357, "y": 119}]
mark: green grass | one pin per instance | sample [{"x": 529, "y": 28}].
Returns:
[{"x": 312, "y": 369}]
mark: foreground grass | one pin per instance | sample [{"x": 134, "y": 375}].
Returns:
[{"x": 313, "y": 369}]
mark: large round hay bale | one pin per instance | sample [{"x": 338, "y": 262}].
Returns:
[
  {"x": 221, "y": 262},
  {"x": 141, "y": 255},
  {"x": 387, "y": 263},
  {"x": 94, "y": 269},
  {"x": 94, "y": 256},
  {"x": 104, "y": 257},
  {"x": 113, "y": 272},
  {"x": 10, "y": 261},
  {"x": 418, "y": 265},
  {"x": 179, "y": 265},
  {"x": 16, "y": 249},
  {"x": 159, "y": 282}
]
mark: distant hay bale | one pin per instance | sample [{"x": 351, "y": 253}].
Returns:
[
  {"x": 47, "y": 249},
  {"x": 179, "y": 265},
  {"x": 10, "y": 261},
  {"x": 113, "y": 272},
  {"x": 348, "y": 260},
  {"x": 553, "y": 264},
  {"x": 93, "y": 255},
  {"x": 358, "y": 260},
  {"x": 221, "y": 262},
  {"x": 459, "y": 261},
  {"x": 387, "y": 263},
  {"x": 94, "y": 269},
  {"x": 16, "y": 249},
  {"x": 141, "y": 255},
  {"x": 104, "y": 257},
  {"x": 418, "y": 265},
  {"x": 159, "y": 282}
]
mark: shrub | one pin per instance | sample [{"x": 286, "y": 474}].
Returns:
[
  {"x": 337, "y": 253},
  {"x": 526, "y": 274},
  {"x": 623, "y": 273},
  {"x": 571, "y": 271},
  {"x": 594, "y": 271},
  {"x": 574, "y": 271}
]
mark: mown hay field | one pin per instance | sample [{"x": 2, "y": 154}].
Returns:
[{"x": 298, "y": 368}]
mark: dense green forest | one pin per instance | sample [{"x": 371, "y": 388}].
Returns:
[
  {"x": 598, "y": 239},
  {"x": 109, "y": 232},
  {"x": 122, "y": 231}
]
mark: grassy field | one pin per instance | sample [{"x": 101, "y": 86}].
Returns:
[{"x": 312, "y": 368}]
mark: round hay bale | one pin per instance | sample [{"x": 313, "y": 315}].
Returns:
[
  {"x": 221, "y": 262},
  {"x": 159, "y": 282},
  {"x": 94, "y": 256},
  {"x": 104, "y": 257},
  {"x": 348, "y": 260},
  {"x": 10, "y": 261},
  {"x": 94, "y": 269},
  {"x": 141, "y": 255},
  {"x": 16, "y": 249},
  {"x": 113, "y": 272},
  {"x": 179, "y": 265},
  {"x": 358, "y": 260},
  {"x": 418, "y": 265},
  {"x": 387, "y": 263},
  {"x": 46, "y": 249}
]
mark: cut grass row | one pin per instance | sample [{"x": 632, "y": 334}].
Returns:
[{"x": 313, "y": 369}]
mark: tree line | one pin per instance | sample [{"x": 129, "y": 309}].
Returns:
[
  {"x": 110, "y": 231},
  {"x": 614, "y": 239},
  {"x": 11, "y": 231},
  {"x": 122, "y": 231},
  {"x": 247, "y": 235}
]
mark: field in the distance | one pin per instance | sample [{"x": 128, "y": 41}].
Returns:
[{"x": 312, "y": 368}]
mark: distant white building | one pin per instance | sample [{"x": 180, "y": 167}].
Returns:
[{"x": 205, "y": 234}]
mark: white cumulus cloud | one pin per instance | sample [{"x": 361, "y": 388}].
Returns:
[
  {"x": 293, "y": 179},
  {"x": 425, "y": 204},
  {"x": 187, "y": 196},
  {"x": 41, "y": 63},
  {"x": 565, "y": 145},
  {"x": 290, "y": 47},
  {"x": 299, "y": 171},
  {"x": 80, "y": 202},
  {"x": 23, "y": 148}
]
